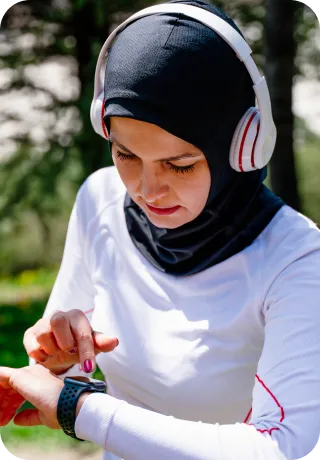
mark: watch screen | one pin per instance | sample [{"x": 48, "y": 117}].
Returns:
[
  {"x": 99, "y": 384},
  {"x": 82, "y": 379}
]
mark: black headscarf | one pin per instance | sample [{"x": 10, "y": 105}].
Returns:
[{"x": 172, "y": 71}]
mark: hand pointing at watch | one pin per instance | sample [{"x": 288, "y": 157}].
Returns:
[
  {"x": 64, "y": 339},
  {"x": 37, "y": 385}
]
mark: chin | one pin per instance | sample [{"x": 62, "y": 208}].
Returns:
[{"x": 165, "y": 223}]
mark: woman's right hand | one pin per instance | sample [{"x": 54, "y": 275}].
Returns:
[{"x": 64, "y": 339}]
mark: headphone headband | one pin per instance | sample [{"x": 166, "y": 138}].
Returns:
[{"x": 265, "y": 141}]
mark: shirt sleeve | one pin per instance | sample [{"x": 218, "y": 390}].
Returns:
[
  {"x": 285, "y": 418},
  {"x": 73, "y": 288}
]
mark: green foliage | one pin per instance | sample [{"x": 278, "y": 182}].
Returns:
[
  {"x": 308, "y": 167},
  {"x": 27, "y": 286},
  {"x": 14, "y": 321}
]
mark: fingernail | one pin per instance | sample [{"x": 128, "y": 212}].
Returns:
[
  {"x": 117, "y": 342},
  {"x": 73, "y": 351},
  {"x": 87, "y": 365}
]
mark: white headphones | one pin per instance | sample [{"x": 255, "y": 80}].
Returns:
[{"x": 254, "y": 140}]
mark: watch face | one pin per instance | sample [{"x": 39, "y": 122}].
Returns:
[
  {"x": 80, "y": 378},
  {"x": 85, "y": 381}
]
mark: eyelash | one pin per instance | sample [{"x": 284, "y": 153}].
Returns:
[{"x": 177, "y": 169}]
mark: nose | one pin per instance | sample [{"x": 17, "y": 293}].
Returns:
[{"x": 153, "y": 186}]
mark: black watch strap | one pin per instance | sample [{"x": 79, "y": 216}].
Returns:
[{"x": 67, "y": 404}]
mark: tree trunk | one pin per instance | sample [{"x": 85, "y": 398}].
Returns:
[
  {"x": 280, "y": 51},
  {"x": 90, "y": 36}
]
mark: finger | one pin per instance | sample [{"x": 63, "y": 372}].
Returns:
[
  {"x": 28, "y": 417},
  {"x": 45, "y": 337},
  {"x": 61, "y": 329},
  {"x": 82, "y": 332},
  {"x": 33, "y": 348},
  {"x": 102, "y": 343}
]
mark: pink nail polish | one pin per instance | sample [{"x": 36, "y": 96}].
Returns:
[
  {"x": 73, "y": 351},
  {"x": 87, "y": 366}
]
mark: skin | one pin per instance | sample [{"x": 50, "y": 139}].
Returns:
[
  {"x": 65, "y": 339},
  {"x": 37, "y": 385},
  {"x": 149, "y": 180}
]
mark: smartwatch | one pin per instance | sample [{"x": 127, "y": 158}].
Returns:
[{"x": 67, "y": 403}]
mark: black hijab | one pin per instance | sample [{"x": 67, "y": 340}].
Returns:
[{"x": 172, "y": 71}]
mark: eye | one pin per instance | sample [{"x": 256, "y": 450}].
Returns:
[
  {"x": 123, "y": 156},
  {"x": 181, "y": 169},
  {"x": 178, "y": 169}
]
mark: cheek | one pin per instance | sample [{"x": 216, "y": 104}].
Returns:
[
  {"x": 197, "y": 197},
  {"x": 194, "y": 189},
  {"x": 128, "y": 172}
]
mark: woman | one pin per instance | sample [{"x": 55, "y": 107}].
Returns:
[{"x": 193, "y": 284}]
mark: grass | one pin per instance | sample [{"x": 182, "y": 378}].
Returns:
[
  {"x": 39, "y": 435},
  {"x": 43, "y": 439},
  {"x": 27, "y": 286}
]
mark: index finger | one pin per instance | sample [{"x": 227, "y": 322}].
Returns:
[{"x": 82, "y": 332}]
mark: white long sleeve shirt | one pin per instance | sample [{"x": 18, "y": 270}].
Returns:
[{"x": 220, "y": 365}]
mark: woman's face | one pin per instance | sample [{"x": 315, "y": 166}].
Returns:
[{"x": 143, "y": 154}]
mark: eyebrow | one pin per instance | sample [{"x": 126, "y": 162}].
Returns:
[{"x": 178, "y": 157}]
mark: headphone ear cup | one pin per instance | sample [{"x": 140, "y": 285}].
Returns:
[
  {"x": 242, "y": 150},
  {"x": 96, "y": 115}
]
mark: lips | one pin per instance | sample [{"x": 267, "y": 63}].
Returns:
[
  {"x": 163, "y": 211},
  {"x": 160, "y": 207}
]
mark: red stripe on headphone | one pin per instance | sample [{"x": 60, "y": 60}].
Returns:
[
  {"x": 244, "y": 138},
  {"x": 105, "y": 132},
  {"x": 254, "y": 146}
]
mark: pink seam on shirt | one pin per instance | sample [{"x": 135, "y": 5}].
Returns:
[
  {"x": 247, "y": 417},
  {"x": 275, "y": 399},
  {"x": 263, "y": 431},
  {"x": 281, "y": 408}
]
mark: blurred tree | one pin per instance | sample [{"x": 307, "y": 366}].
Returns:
[
  {"x": 280, "y": 53},
  {"x": 281, "y": 35},
  {"x": 51, "y": 142},
  {"x": 96, "y": 19}
]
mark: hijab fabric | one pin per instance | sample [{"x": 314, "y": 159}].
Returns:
[{"x": 172, "y": 71}]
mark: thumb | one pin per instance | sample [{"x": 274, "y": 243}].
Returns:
[{"x": 102, "y": 343}]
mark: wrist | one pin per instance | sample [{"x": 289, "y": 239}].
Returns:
[
  {"x": 81, "y": 401},
  {"x": 61, "y": 370},
  {"x": 74, "y": 393},
  {"x": 57, "y": 370}
]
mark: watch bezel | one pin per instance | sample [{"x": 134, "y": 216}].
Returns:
[{"x": 86, "y": 382}]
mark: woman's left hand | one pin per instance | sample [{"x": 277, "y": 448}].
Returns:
[{"x": 37, "y": 385}]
